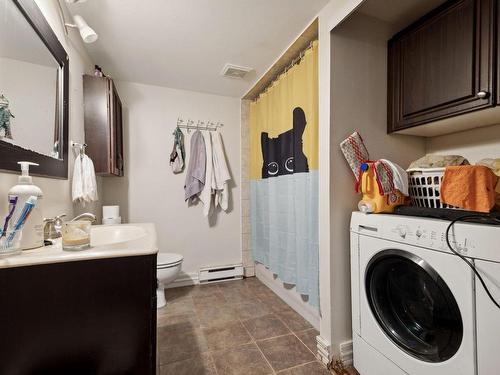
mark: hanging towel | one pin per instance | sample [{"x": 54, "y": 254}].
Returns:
[
  {"x": 355, "y": 153},
  {"x": 471, "y": 187},
  {"x": 221, "y": 175},
  {"x": 177, "y": 155},
  {"x": 195, "y": 176},
  {"x": 84, "y": 186},
  {"x": 400, "y": 176},
  {"x": 494, "y": 165},
  {"x": 206, "y": 193}
]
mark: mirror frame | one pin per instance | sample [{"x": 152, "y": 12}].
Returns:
[{"x": 10, "y": 154}]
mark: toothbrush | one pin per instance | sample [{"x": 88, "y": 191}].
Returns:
[
  {"x": 28, "y": 207},
  {"x": 12, "y": 207}
]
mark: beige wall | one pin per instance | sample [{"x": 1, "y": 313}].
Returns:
[
  {"x": 358, "y": 102},
  {"x": 150, "y": 192},
  {"x": 57, "y": 193},
  {"x": 329, "y": 17},
  {"x": 474, "y": 144}
]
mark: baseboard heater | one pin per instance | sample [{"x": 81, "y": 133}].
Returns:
[{"x": 223, "y": 273}]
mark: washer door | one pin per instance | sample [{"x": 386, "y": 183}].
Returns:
[{"x": 413, "y": 306}]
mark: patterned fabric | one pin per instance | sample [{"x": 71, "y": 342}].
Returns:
[
  {"x": 385, "y": 177},
  {"x": 355, "y": 153}
]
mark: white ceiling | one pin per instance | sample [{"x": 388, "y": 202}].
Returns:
[{"x": 185, "y": 44}]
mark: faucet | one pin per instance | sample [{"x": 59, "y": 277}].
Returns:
[
  {"x": 52, "y": 226},
  {"x": 85, "y": 216}
]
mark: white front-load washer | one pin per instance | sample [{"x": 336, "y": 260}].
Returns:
[{"x": 412, "y": 299}]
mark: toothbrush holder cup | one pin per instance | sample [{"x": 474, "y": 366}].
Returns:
[{"x": 10, "y": 242}]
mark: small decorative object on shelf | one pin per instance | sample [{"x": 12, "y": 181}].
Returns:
[{"x": 5, "y": 115}]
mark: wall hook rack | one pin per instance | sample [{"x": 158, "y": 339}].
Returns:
[{"x": 200, "y": 124}]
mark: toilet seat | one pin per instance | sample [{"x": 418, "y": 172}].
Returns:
[{"x": 168, "y": 260}]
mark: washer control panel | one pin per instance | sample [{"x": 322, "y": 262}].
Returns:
[
  {"x": 431, "y": 237},
  {"x": 471, "y": 240}
]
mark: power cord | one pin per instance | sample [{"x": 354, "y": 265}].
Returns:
[{"x": 469, "y": 263}]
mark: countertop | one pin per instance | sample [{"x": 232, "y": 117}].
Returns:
[{"x": 108, "y": 241}]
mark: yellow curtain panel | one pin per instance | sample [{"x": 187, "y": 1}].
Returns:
[
  {"x": 284, "y": 176},
  {"x": 272, "y": 112}
]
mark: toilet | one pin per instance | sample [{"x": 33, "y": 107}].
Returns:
[{"x": 168, "y": 266}]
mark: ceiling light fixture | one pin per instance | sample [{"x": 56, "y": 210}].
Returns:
[
  {"x": 87, "y": 33},
  {"x": 75, "y": 1}
]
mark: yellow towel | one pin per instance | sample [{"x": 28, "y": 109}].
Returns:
[{"x": 469, "y": 187}]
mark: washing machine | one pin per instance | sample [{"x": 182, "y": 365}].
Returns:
[{"x": 415, "y": 307}]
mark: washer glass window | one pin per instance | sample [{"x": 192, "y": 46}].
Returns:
[{"x": 414, "y": 306}]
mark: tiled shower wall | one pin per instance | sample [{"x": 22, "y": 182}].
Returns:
[{"x": 248, "y": 262}]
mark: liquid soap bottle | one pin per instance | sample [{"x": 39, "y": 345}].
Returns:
[{"x": 32, "y": 235}]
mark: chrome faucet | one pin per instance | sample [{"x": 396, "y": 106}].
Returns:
[
  {"x": 85, "y": 216},
  {"x": 52, "y": 226}
]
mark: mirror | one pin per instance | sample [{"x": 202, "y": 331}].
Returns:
[{"x": 33, "y": 91}]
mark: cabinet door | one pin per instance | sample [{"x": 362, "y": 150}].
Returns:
[
  {"x": 442, "y": 65},
  {"x": 116, "y": 132},
  {"x": 97, "y": 129},
  {"x": 79, "y": 318}
]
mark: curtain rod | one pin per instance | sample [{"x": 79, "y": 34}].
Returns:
[{"x": 294, "y": 62}]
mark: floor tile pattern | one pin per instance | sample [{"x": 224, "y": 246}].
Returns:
[{"x": 233, "y": 328}]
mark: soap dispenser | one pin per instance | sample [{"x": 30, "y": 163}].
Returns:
[{"x": 32, "y": 235}]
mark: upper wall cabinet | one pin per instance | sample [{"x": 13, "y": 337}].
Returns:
[
  {"x": 443, "y": 65},
  {"x": 103, "y": 125}
]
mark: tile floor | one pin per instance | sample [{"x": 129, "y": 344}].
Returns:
[{"x": 237, "y": 327}]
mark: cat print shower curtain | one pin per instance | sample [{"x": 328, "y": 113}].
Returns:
[{"x": 284, "y": 177}]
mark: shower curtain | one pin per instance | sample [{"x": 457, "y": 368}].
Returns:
[{"x": 284, "y": 177}]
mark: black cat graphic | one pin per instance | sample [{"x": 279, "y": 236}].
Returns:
[{"x": 284, "y": 155}]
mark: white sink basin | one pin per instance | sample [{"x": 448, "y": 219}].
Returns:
[
  {"x": 102, "y": 235},
  {"x": 107, "y": 241}
]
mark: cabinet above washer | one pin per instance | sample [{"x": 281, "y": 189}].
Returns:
[{"x": 442, "y": 70}]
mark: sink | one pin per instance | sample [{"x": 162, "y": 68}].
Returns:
[
  {"x": 102, "y": 235},
  {"x": 107, "y": 241}
]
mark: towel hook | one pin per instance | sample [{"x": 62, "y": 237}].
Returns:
[{"x": 81, "y": 147}]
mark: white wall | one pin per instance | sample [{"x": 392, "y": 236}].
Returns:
[
  {"x": 150, "y": 192},
  {"x": 31, "y": 91},
  {"x": 57, "y": 193},
  {"x": 474, "y": 144}
]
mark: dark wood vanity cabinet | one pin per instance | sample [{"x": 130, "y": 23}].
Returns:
[
  {"x": 83, "y": 317},
  {"x": 443, "y": 65},
  {"x": 103, "y": 125}
]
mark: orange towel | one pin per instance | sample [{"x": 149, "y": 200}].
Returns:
[{"x": 470, "y": 187}]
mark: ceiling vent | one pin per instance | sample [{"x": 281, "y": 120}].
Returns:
[{"x": 235, "y": 71}]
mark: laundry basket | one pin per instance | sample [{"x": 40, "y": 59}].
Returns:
[{"x": 425, "y": 187}]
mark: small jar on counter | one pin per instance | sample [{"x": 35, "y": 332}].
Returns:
[{"x": 76, "y": 235}]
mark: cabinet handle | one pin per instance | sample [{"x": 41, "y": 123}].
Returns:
[{"x": 482, "y": 94}]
